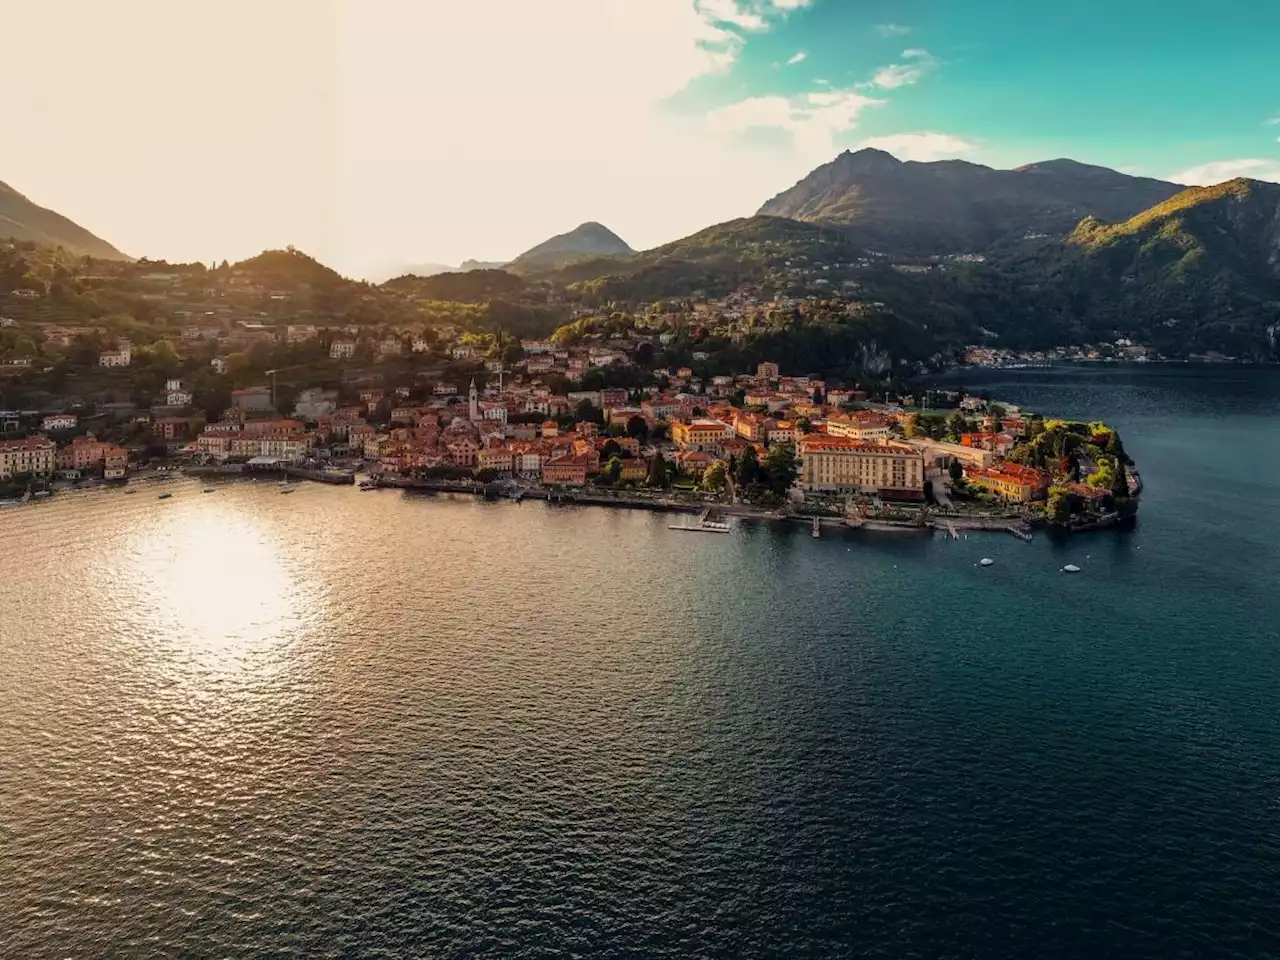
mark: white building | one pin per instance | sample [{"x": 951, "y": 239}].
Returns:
[
  {"x": 115, "y": 358},
  {"x": 342, "y": 349},
  {"x": 178, "y": 398},
  {"x": 219, "y": 365},
  {"x": 59, "y": 421}
]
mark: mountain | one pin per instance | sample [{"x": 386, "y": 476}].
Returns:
[
  {"x": 387, "y": 272},
  {"x": 1199, "y": 272},
  {"x": 713, "y": 261},
  {"x": 585, "y": 242},
  {"x": 953, "y": 206},
  {"x": 20, "y": 219}
]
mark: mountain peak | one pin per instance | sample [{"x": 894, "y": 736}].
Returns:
[
  {"x": 954, "y": 206},
  {"x": 586, "y": 241}
]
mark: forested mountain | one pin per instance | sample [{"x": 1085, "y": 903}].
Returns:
[
  {"x": 953, "y": 206},
  {"x": 20, "y": 219},
  {"x": 1198, "y": 272},
  {"x": 584, "y": 242}
]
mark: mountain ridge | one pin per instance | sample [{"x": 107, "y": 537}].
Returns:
[
  {"x": 956, "y": 206},
  {"x": 23, "y": 220}
]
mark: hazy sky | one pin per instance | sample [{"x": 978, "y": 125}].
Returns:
[{"x": 377, "y": 132}]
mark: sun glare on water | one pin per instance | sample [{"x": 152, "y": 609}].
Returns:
[{"x": 218, "y": 587}]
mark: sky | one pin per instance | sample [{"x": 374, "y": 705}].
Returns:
[{"x": 378, "y": 133}]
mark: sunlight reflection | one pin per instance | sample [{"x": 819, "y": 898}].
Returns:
[{"x": 220, "y": 586}]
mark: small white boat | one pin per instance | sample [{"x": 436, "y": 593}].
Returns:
[
  {"x": 986, "y": 561},
  {"x": 1070, "y": 568},
  {"x": 287, "y": 489}
]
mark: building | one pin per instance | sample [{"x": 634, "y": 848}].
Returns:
[
  {"x": 767, "y": 371},
  {"x": 634, "y": 470},
  {"x": 783, "y": 431},
  {"x": 252, "y": 399},
  {"x": 702, "y": 434},
  {"x": 843, "y": 465},
  {"x": 82, "y": 452},
  {"x": 473, "y": 402},
  {"x": 497, "y": 459},
  {"x": 115, "y": 358},
  {"x": 864, "y": 426},
  {"x": 115, "y": 462},
  {"x": 342, "y": 349},
  {"x": 59, "y": 421},
  {"x": 1012, "y": 481},
  {"x": 219, "y": 365},
  {"x": 942, "y": 453},
  {"x": 178, "y": 398},
  {"x": 171, "y": 428},
  {"x": 32, "y": 455},
  {"x": 565, "y": 471}
]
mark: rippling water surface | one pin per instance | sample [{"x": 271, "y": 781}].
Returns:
[{"x": 337, "y": 723}]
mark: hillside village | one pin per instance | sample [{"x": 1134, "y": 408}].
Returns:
[{"x": 618, "y": 401}]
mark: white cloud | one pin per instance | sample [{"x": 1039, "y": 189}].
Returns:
[
  {"x": 1274, "y": 121},
  {"x": 922, "y": 145},
  {"x": 476, "y": 151},
  {"x": 752, "y": 15},
  {"x": 1219, "y": 170},
  {"x": 904, "y": 74},
  {"x": 892, "y": 29},
  {"x": 813, "y": 120},
  {"x": 730, "y": 12},
  {"x": 798, "y": 58}
]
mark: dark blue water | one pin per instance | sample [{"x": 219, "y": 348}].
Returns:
[{"x": 352, "y": 724}]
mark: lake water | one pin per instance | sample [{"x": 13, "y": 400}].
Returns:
[{"x": 382, "y": 724}]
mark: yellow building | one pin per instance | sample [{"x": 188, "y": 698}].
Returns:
[
  {"x": 840, "y": 464},
  {"x": 708, "y": 435},
  {"x": 33, "y": 455}
]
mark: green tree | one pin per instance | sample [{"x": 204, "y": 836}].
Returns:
[
  {"x": 956, "y": 470},
  {"x": 781, "y": 467},
  {"x": 638, "y": 427},
  {"x": 748, "y": 468},
  {"x": 1058, "y": 508},
  {"x": 658, "y": 471},
  {"x": 612, "y": 471},
  {"x": 713, "y": 478}
]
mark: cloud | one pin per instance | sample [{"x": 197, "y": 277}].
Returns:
[
  {"x": 750, "y": 15},
  {"x": 812, "y": 119},
  {"x": 730, "y": 12},
  {"x": 1219, "y": 170},
  {"x": 904, "y": 74},
  {"x": 922, "y": 145},
  {"x": 1274, "y": 121},
  {"x": 892, "y": 29},
  {"x": 798, "y": 58}
]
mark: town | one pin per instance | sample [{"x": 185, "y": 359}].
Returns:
[{"x": 533, "y": 417}]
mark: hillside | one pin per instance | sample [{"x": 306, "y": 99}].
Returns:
[
  {"x": 713, "y": 261},
  {"x": 20, "y": 219},
  {"x": 1199, "y": 272},
  {"x": 954, "y": 206},
  {"x": 585, "y": 242}
]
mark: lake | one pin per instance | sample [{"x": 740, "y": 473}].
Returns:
[{"x": 390, "y": 724}]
